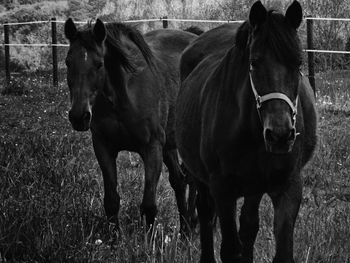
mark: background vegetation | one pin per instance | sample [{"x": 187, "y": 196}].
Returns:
[
  {"x": 51, "y": 189},
  {"x": 334, "y": 35}
]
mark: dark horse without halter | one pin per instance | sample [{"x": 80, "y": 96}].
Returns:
[
  {"x": 123, "y": 88},
  {"x": 245, "y": 126}
]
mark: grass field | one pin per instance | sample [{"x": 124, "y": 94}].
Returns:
[{"x": 51, "y": 189}]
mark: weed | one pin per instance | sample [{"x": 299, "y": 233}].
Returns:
[{"x": 51, "y": 190}]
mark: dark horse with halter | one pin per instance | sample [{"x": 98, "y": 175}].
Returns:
[
  {"x": 245, "y": 126},
  {"x": 123, "y": 87}
]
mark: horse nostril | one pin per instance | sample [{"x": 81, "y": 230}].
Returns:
[
  {"x": 80, "y": 120},
  {"x": 269, "y": 136},
  {"x": 70, "y": 116},
  {"x": 86, "y": 116},
  {"x": 291, "y": 135},
  {"x": 275, "y": 137}
]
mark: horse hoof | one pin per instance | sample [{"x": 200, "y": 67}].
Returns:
[{"x": 149, "y": 213}]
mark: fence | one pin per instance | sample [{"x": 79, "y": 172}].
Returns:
[{"x": 309, "y": 28}]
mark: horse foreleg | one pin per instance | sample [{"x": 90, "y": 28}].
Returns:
[
  {"x": 225, "y": 204},
  {"x": 177, "y": 182},
  {"x": 205, "y": 207},
  {"x": 249, "y": 226},
  {"x": 286, "y": 205},
  {"x": 106, "y": 158},
  {"x": 191, "y": 201},
  {"x": 153, "y": 160}
]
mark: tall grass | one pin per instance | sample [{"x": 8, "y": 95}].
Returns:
[{"x": 51, "y": 190}]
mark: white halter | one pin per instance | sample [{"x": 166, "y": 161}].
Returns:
[{"x": 274, "y": 95}]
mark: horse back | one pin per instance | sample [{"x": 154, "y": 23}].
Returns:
[
  {"x": 199, "y": 62},
  {"x": 189, "y": 106},
  {"x": 207, "y": 45},
  {"x": 167, "y": 46},
  {"x": 169, "y": 40}
]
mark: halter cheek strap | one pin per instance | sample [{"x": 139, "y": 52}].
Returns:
[{"x": 274, "y": 95}]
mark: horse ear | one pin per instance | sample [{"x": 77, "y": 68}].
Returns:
[
  {"x": 257, "y": 14},
  {"x": 99, "y": 31},
  {"x": 70, "y": 30},
  {"x": 294, "y": 14}
]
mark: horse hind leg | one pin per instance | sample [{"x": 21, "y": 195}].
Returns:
[
  {"x": 249, "y": 226},
  {"x": 153, "y": 160},
  {"x": 177, "y": 182},
  {"x": 206, "y": 212},
  {"x": 192, "y": 197},
  {"x": 286, "y": 205}
]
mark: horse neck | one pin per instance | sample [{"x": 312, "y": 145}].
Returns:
[
  {"x": 233, "y": 75},
  {"x": 236, "y": 90},
  {"x": 115, "y": 86}
]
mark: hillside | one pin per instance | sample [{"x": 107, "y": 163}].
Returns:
[
  {"x": 128, "y": 9},
  {"x": 327, "y": 35}
]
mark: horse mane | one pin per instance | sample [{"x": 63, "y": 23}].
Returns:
[
  {"x": 276, "y": 35},
  {"x": 114, "y": 32}
]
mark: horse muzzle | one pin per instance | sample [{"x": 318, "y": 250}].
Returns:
[
  {"x": 279, "y": 141},
  {"x": 80, "y": 122}
]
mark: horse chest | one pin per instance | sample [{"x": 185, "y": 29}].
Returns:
[
  {"x": 115, "y": 133},
  {"x": 252, "y": 172},
  {"x": 112, "y": 132}
]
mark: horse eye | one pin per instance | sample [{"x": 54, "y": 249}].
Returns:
[
  {"x": 99, "y": 65},
  {"x": 254, "y": 63},
  {"x": 300, "y": 64}
]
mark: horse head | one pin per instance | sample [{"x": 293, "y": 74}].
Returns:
[
  {"x": 274, "y": 59},
  {"x": 85, "y": 70}
]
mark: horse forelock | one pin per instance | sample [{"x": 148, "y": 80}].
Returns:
[
  {"x": 85, "y": 38},
  {"x": 113, "y": 42},
  {"x": 277, "y": 36}
]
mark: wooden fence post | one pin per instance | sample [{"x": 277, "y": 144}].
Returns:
[
  {"x": 7, "y": 53},
  {"x": 310, "y": 55},
  {"x": 165, "y": 21},
  {"x": 54, "y": 52}
]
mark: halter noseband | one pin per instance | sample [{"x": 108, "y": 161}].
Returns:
[{"x": 274, "y": 95}]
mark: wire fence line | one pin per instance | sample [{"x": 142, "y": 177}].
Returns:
[
  {"x": 36, "y": 45},
  {"x": 54, "y": 45},
  {"x": 326, "y": 51},
  {"x": 328, "y": 19},
  {"x": 67, "y": 45},
  {"x": 161, "y": 19},
  {"x": 77, "y": 22},
  {"x": 169, "y": 19}
]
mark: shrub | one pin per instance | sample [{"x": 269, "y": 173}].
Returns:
[{"x": 32, "y": 58}]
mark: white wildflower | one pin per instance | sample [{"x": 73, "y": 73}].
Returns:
[
  {"x": 167, "y": 239},
  {"x": 98, "y": 242}
]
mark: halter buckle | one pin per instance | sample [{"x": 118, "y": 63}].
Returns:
[
  {"x": 294, "y": 116},
  {"x": 258, "y": 101}
]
